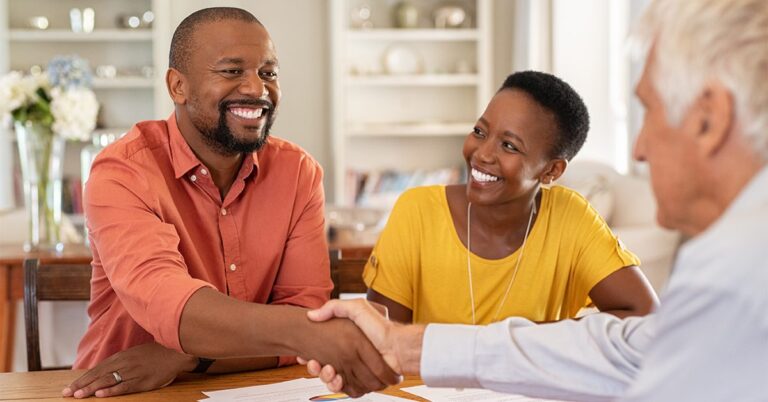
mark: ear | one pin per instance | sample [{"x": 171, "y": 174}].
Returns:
[
  {"x": 176, "y": 83},
  {"x": 713, "y": 118},
  {"x": 554, "y": 169}
]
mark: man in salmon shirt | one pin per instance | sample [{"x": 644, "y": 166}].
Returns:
[{"x": 208, "y": 234}]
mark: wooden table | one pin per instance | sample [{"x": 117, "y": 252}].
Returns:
[
  {"x": 47, "y": 385},
  {"x": 12, "y": 287}
]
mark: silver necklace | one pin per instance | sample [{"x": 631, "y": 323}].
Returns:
[{"x": 514, "y": 273}]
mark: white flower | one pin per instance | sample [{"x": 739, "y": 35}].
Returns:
[
  {"x": 74, "y": 112},
  {"x": 12, "y": 94}
]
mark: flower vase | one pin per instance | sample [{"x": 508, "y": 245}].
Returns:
[{"x": 41, "y": 155}]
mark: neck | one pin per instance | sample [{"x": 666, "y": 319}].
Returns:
[
  {"x": 720, "y": 191},
  {"x": 223, "y": 168},
  {"x": 506, "y": 219}
]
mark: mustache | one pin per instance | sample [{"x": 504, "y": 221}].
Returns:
[{"x": 247, "y": 101}]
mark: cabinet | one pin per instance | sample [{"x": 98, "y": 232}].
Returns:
[
  {"x": 128, "y": 64},
  {"x": 403, "y": 99}
]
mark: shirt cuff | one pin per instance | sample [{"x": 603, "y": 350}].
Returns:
[{"x": 448, "y": 355}]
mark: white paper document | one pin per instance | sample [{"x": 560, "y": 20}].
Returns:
[
  {"x": 467, "y": 395},
  {"x": 299, "y": 390}
]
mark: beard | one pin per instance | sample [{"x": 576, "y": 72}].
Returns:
[{"x": 220, "y": 137}]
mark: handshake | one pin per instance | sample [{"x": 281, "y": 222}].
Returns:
[{"x": 398, "y": 349}]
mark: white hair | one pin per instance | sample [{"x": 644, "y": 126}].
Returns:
[{"x": 696, "y": 41}]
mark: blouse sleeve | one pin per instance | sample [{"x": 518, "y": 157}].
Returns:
[{"x": 391, "y": 268}]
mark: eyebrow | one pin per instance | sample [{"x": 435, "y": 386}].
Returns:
[
  {"x": 508, "y": 133},
  {"x": 239, "y": 61}
]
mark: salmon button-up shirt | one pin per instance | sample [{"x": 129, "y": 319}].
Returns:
[{"x": 160, "y": 231}]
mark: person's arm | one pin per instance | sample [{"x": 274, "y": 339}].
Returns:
[
  {"x": 140, "y": 256},
  {"x": 396, "y": 311},
  {"x": 593, "y": 359},
  {"x": 624, "y": 293}
]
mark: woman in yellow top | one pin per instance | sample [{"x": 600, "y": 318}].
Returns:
[{"x": 502, "y": 245}]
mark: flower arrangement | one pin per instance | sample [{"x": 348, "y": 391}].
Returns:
[
  {"x": 47, "y": 108},
  {"x": 59, "y": 98}
]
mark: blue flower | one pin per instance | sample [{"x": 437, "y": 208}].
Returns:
[{"x": 69, "y": 72}]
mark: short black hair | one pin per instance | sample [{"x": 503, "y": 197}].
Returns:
[
  {"x": 569, "y": 110},
  {"x": 181, "y": 44}
]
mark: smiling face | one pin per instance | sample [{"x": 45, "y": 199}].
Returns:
[
  {"x": 508, "y": 152},
  {"x": 231, "y": 91}
]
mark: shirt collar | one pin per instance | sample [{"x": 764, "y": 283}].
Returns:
[{"x": 184, "y": 160}]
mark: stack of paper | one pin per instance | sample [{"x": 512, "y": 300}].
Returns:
[
  {"x": 302, "y": 389},
  {"x": 467, "y": 394}
]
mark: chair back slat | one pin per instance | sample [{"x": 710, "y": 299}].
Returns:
[
  {"x": 50, "y": 282},
  {"x": 347, "y": 271}
]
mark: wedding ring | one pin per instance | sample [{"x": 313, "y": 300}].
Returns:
[{"x": 118, "y": 377}]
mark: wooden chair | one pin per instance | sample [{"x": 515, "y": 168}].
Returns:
[
  {"x": 50, "y": 282},
  {"x": 347, "y": 270}
]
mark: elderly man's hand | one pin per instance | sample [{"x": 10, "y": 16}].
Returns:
[{"x": 400, "y": 345}]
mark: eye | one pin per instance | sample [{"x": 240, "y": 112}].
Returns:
[
  {"x": 508, "y": 146},
  {"x": 269, "y": 75},
  {"x": 478, "y": 133},
  {"x": 231, "y": 71}
]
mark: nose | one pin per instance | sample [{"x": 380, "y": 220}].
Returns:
[
  {"x": 638, "y": 151},
  {"x": 252, "y": 85},
  {"x": 485, "y": 151}
]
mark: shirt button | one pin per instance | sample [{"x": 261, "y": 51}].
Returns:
[
  {"x": 232, "y": 267},
  {"x": 203, "y": 172},
  {"x": 223, "y": 211},
  {"x": 193, "y": 178}
]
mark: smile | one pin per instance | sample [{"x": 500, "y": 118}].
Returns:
[
  {"x": 246, "y": 113},
  {"x": 481, "y": 177}
]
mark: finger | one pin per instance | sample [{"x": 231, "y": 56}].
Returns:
[
  {"x": 327, "y": 374},
  {"x": 104, "y": 381},
  {"x": 301, "y": 361},
  {"x": 123, "y": 388},
  {"x": 336, "y": 384},
  {"x": 313, "y": 367},
  {"x": 85, "y": 379}
]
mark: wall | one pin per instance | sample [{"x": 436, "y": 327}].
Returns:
[{"x": 588, "y": 39}]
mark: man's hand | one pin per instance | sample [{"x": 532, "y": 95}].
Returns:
[
  {"x": 141, "y": 368},
  {"x": 400, "y": 345},
  {"x": 340, "y": 343}
]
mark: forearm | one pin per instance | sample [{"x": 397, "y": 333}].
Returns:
[
  {"x": 216, "y": 326},
  {"x": 592, "y": 359},
  {"x": 237, "y": 365}
]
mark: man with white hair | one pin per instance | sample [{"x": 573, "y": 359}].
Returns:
[{"x": 705, "y": 138}]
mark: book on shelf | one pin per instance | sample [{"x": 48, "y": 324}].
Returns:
[{"x": 381, "y": 188}]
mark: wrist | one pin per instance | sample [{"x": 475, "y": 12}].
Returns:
[{"x": 408, "y": 340}]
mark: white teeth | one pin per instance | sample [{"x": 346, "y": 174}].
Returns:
[
  {"x": 483, "y": 177},
  {"x": 246, "y": 113}
]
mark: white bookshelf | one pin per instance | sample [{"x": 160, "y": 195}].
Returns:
[
  {"x": 99, "y": 35},
  {"x": 125, "y": 98},
  {"x": 405, "y": 120}
]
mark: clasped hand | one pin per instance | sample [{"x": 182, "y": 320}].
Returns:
[{"x": 399, "y": 345}]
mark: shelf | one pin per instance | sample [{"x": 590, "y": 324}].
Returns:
[
  {"x": 123, "y": 83},
  {"x": 63, "y": 35},
  {"x": 415, "y": 34},
  {"x": 414, "y": 80},
  {"x": 409, "y": 129}
]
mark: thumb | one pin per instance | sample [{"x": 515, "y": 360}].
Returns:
[{"x": 332, "y": 308}]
